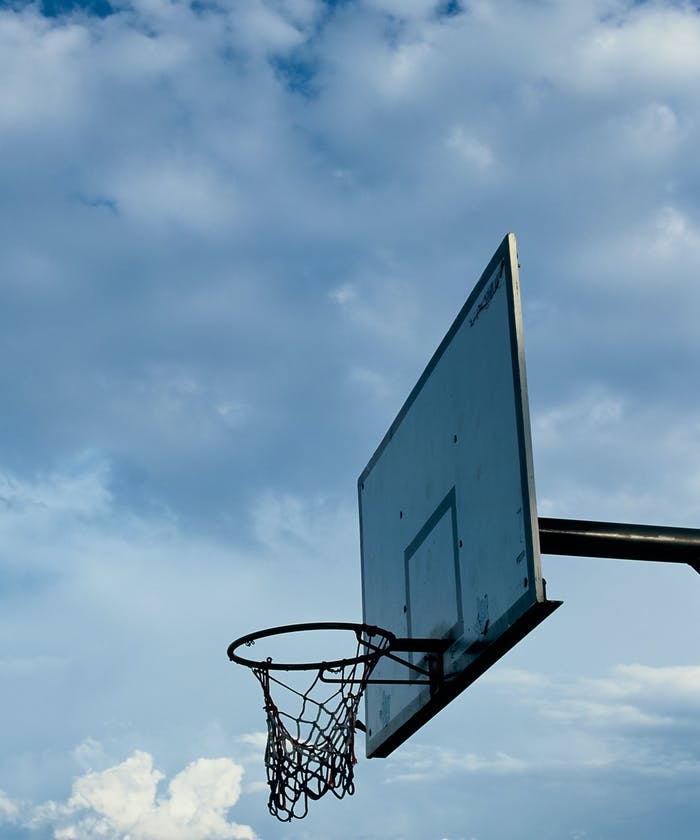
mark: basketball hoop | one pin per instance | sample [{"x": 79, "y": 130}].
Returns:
[{"x": 311, "y": 751}]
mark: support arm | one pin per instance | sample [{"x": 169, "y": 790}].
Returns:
[{"x": 581, "y": 538}]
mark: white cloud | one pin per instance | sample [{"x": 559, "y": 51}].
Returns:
[
  {"x": 343, "y": 294},
  {"x": 515, "y": 678},
  {"x": 151, "y": 54},
  {"x": 90, "y": 754},
  {"x": 629, "y": 697},
  {"x": 9, "y": 810},
  {"x": 256, "y": 741},
  {"x": 124, "y": 801},
  {"x": 649, "y": 135},
  {"x": 601, "y": 431},
  {"x": 401, "y": 74},
  {"x": 115, "y": 602},
  {"x": 232, "y": 236},
  {"x": 187, "y": 193},
  {"x": 80, "y": 490},
  {"x": 261, "y": 24},
  {"x": 74, "y": 504},
  {"x": 379, "y": 304},
  {"x": 288, "y": 524},
  {"x": 653, "y": 684},
  {"x": 417, "y": 765},
  {"x": 38, "y": 62},
  {"x": 471, "y": 150},
  {"x": 657, "y": 45},
  {"x": 596, "y": 414},
  {"x": 640, "y": 718},
  {"x": 674, "y": 232},
  {"x": 406, "y": 8},
  {"x": 34, "y": 511},
  {"x": 607, "y": 715},
  {"x": 372, "y": 381}
]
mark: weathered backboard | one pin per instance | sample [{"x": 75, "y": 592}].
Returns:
[{"x": 448, "y": 521}]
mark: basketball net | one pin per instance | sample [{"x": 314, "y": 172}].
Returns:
[{"x": 312, "y": 753}]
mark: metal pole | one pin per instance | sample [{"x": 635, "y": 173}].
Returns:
[{"x": 581, "y": 538}]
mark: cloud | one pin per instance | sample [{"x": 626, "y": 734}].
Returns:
[
  {"x": 181, "y": 192},
  {"x": 8, "y": 810},
  {"x": 80, "y": 491},
  {"x": 594, "y": 413},
  {"x": 659, "y": 684},
  {"x": 48, "y": 91},
  {"x": 675, "y": 230},
  {"x": 126, "y": 801},
  {"x": 653, "y": 133},
  {"x": 138, "y": 611},
  {"x": 94, "y": 595},
  {"x": 286, "y": 523},
  {"x": 233, "y": 234},
  {"x": 657, "y": 45},
  {"x": 630, "y": 701},
  {"x": 428, "y": 763},
  {"x": 602, "y": 428},
  {"x": 193, "y": 226},
  {"x": 474, "y": 153},
  {"x": 639, "y": 721}
]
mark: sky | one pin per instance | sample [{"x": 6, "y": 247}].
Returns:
[{"x": 232, "y": 235}]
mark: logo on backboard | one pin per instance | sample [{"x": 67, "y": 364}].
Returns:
[{"x": 491, "y": 290}]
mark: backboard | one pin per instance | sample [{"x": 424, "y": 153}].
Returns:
[{"x": 448, "y": 520}]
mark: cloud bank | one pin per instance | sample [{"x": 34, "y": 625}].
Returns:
[
  {"x": 232, "y": 236},
  {"x": 124, "y": 802}
]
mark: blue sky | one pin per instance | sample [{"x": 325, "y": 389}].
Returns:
[{"x": 232, "y": 236}]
